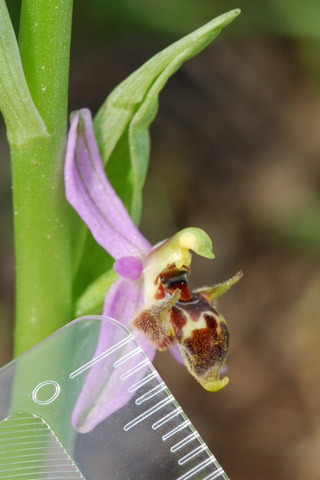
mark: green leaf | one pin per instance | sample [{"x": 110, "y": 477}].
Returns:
[
  {"x": 121, "y": 125},
  {"x": 121, "y": 129},
  {"x": 91, "y": 301},
  {"x": 21, "y": 116}
]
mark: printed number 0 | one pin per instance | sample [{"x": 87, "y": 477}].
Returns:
[{"x": 50, "y": 399}]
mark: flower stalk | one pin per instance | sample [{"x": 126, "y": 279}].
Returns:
[{"x": 41, "y": 223}]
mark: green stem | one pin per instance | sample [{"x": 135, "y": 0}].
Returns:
[{"x": 42, "y": 243}]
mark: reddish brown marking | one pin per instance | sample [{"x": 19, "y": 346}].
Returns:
[
  {"x": 204, "y": 296},
  {"x": 194, "y": 308},
  {"x": 211, "y": 321},
  {"x": 178, "y": 321},
  {"x": 207, "y": 348},
  {"x": 185, "y": 292},
  {"x": 160, "y": 293},
  {"x": 172, "y": 269},
  {"x": 171, "y": 281}
]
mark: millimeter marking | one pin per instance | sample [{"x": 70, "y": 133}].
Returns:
[
  {"x": 24, "y": 430},
  {"x": 135, "y": 369},
  {"x": 67, "y": 464},
  {"x": 15, "y": 420},
  {"x": 151, "y": 393},
  {"x": 149, "y": 412},
  {"x": 27, "y": 443},
  {"x": 37, "y": 454},
  {"x": 20, "y": 425},
  {"x": 33, "y": 460},
  {"x": 127, "y": 357},
  {"x": 215, "y": 474},
  {"x": 25, "y": 436},
  {"x": 166, "y": 418},
  {"x": 184, "y": 442},
  {"x": 197, "y": 469},
  {"x": 142, "y": 382},
  {"x": 175, "y": 430},
  {"x": 38, "y": 473},
  {"x": 101, "y": 356},
  {"x": 27, "y": 449},
  {"x": 192, "y": 454}
]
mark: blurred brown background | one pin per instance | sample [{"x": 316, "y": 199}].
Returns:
[{"x": 235, "y": 151}]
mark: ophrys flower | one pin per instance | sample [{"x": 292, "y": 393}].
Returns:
[{"x": 151, "y": 294}]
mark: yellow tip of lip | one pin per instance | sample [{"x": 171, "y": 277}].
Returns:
[{"x": 215, "y": 385}]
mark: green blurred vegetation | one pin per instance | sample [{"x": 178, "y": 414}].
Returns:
[{"x": 294, "y": 18}]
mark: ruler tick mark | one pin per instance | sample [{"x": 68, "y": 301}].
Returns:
[
  {"x": 184, "y": 441},
  {"x": 142, "y": 382},
  {"x": 101, "y": 356},
  {"x": 147, "y": 413},
  {"x": 192, "y": 454},
  {"x": 135, "y": 369},
  {"x": 197, "y": 468},
  {"x": 176, "y": 429},
  {"x": 215, "y": 474},
  {"x": 127, "y": 357},
  {"x": 151, "y": 393},
  {"x": 166, "y": 418}
]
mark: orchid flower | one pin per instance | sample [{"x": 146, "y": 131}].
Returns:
[{"x": 151, "y": 296}]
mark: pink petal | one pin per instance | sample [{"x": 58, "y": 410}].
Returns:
[
  {"x": 128, "y": 267},
  {"x": 124, "y": 299},
  {"x": 174, "y": 350},
  {"x": 90, "y": 193},
  {"x": 102, "y": 393}
]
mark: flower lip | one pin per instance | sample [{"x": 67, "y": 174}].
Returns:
[{"x": 213, "y": 385}]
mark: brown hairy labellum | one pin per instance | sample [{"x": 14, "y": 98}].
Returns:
[{"x": 191, "y": 319}]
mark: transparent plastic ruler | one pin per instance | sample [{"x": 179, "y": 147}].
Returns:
[{"x": 86, "y": 403}]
